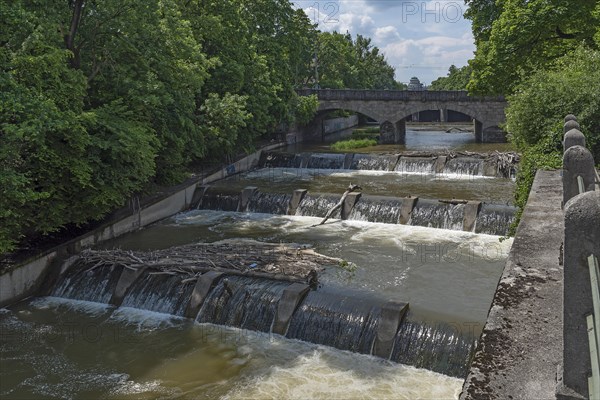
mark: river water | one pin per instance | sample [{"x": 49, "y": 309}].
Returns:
[{"x": 54, "y": 348}]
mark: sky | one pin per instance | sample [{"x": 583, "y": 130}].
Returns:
[{"x": 419, "y": 38}]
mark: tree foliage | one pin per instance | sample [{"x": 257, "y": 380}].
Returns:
[
  {"x": 516, "y": 38},
  {"x": 457, "y": 79},
  {"x": 570, "y": 86},
  {"x": 346, "y": 63},
  {"x": 99, "y": 98}
]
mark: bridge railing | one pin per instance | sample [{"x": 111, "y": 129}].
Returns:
[
  {"x": 400, "y": 95},
  {"x": 581, "y": 252}
]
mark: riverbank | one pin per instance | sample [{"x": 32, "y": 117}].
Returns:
[{"x": 521, "y": 345}]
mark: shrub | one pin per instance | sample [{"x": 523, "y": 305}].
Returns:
[{"x": 353, "y": 144}]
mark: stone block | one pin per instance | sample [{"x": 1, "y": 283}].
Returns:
[
  {"x": 391, "y": 316},
  {"x": 203, "y": 286},
  {"x": 246, "y": 197},
  {"x": 471, "y": 212},
  {"x": 577, "y": 161},
  {"x": 408, "y": 203},
  {"x": 127, "y": 278},
  {"x": 295, "y": 201},
  {"x": 349, "y": 202},
  {"x": 290, "y": 300}
]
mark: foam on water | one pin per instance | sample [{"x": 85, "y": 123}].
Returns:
[
  {"x": 189, "y": 362},
  {"x": 326, "y": 374},
  {"x": 144, "y": 320},
  {"x": 87, "y": 307}
]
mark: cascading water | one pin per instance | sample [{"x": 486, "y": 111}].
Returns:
[
  {"x": 377, "y": 210},
  {"x": 159, "y": 292},
  {"x": 84, "y": 282},
  {"x": 219, "y": 201},
  {"x": 317, "y": 206},
  {"x": 326, "y": 161},
  {"x": 347, "y": 321},
  {"x": 435, "y": 214},
  {"x": 415, "y": 165},
  {"x": 373, "y": 162},
  {"x": 495, "y": 219},
  {"x": 246, "y": 303},
  {"x": 269, "y": 203},
  {"x": 464, "y": 166},
  {"x": 343, "y": 322},
  {"x": 440, "y": 347},
  {"x": 280, "y": 160}
]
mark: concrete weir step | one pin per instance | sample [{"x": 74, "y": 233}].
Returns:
[
  {"x": 128, "y": 276},
  {"x": 246, "y": 196},
  {"x": 472, "y": 209},
  {"x": 349, "y": 203},
  {"x": 297, "y": 198},
  {"x": 408, "y": 204},
  {"x": 203, "y": 286},
  {"x": 290, "y": 300},
  {"x": 392, "y": 314}
]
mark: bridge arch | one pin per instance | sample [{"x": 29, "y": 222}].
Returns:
[
  {"x": 395, "y": 106},
  {"x": 325, "y": 108},
  {"x": 464, "y": 109}
]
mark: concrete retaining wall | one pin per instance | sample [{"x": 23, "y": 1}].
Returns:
[
  {"x": 319, "y": 127},
  {"x": 339, "y": 124},
  {"x": 25, "y": 279}
]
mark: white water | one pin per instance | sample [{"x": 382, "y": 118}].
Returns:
[{"x": 78, "y": 349}]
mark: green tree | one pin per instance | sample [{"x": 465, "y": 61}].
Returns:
[
  {"x": 89, "y": 109},
  {"x": 221, "y": 120},
  {"x": 457, "y": 79},
  {"x": 306, "y": 108},
  {"x": 516, "y": 38},
  {"x": 345, "y": 63},
  {"x": 538, "y": 106}
]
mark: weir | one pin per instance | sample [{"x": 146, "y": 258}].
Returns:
[
  {"x": 491, "y": 219},
  {"x": 496, "y": 164},
  {"x": 358, "y": 322},
  {"x": 361, "y": 306}
]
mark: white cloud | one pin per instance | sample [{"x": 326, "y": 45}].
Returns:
[
  {"x": 428, "y": 58},
  {"x": 415, "y": 40},
  {"x": 386, "y": 34}
]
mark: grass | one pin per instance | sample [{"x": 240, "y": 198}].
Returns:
[
  {"x": 353, "y": 144},
  {"x": 365, "y": 133}
]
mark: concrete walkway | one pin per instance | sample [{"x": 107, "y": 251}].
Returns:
[{"x": 521, "y": 345}]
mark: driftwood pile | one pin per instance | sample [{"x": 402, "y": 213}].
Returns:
[
  {"x": 235, "y": 257},
  {"x": 505, "y": 162}
]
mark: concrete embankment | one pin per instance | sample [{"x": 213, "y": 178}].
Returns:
[
  {"x": 521, "y": 345},
  {"x": 24, "y": 279}
]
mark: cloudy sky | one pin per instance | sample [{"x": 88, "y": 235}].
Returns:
[{"x": 419, "y": 38}]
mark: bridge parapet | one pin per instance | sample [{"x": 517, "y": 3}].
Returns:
[
  {"x": 580, "y": 377},
  {"x": 395, "y": 95}
]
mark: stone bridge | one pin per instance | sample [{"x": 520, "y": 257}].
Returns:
[{"x": 391, "y": 108}]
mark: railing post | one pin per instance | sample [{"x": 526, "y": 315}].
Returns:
[
  {"x": 581, "y": 239},
  {"x": 577, "y": 162}
]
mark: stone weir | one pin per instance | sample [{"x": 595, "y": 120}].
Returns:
[
  {"x": 495, "y": 164},
  {"x": 263, "y": 287},
  {"x": 455, "y": 214}
]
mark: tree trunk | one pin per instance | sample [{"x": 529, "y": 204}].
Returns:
[{"x": 350, "y": 189}]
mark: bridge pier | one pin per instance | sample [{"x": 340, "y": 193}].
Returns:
[
  {"x": 393, "y": 133},
  {"x": 443, "y": 115}
]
